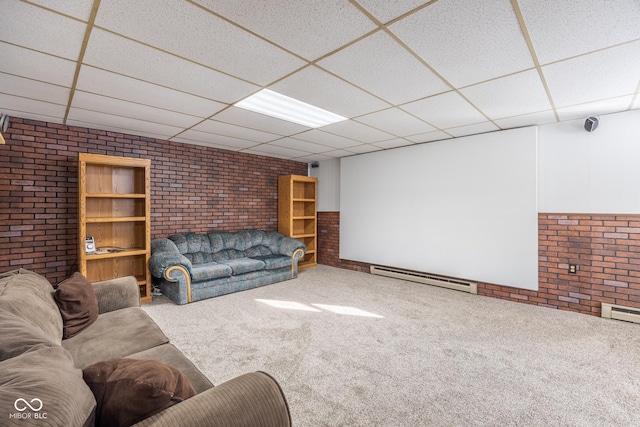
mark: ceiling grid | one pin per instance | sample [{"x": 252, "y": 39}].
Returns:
[{"x": 402, "y": 72}]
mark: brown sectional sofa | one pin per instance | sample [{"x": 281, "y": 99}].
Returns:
[{"x": 41, "y": 374}]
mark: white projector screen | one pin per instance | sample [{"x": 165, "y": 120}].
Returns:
[{"x": 465, "y": 208}]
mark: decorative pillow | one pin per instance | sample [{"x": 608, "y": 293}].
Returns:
[
  {"x": 78, "y": 304},
  {"x": 130, "y": 390}
]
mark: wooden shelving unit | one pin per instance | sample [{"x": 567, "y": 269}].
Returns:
[
  {"x": 297, "y": 213},
  {"x": 115, "y": 209}
]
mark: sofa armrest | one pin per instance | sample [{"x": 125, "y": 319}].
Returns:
[
  {"x": 164, "y": 255},
  {"x": 290, "y": 247},
  {"x": 117, "y": 293},
  {"x": 250, "y": 400}
]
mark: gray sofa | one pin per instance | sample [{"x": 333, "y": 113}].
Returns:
[
  {"x": 41, "y": 374},
  {"x": 190, "y": 267}
]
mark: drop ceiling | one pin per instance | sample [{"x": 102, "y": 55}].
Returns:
[{"x": 403, "y": 72}]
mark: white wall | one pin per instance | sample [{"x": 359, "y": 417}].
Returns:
[
  {"x": 597, "y": 172},
  {"x": 578, "y": 172},
  {"x": 328, "y": 174},
  {"x": 465, "y": 208}
]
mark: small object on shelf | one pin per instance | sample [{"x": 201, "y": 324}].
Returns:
[
  {"x": 114, "y": 219},
  {"x": 297, "y": 213}
]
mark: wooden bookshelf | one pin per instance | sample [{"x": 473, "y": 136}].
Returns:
[
  {"x": 114, "y": 209},
  {"x": 297, "y": 213}
]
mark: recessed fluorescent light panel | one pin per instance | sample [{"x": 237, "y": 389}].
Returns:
[{"x": 283, "y": 107}]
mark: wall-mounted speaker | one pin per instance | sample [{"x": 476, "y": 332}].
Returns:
[
  {"x": 4, "y": 125},
  {"x": 4, "y": 122},
  {"x": 591, "y": 124}
]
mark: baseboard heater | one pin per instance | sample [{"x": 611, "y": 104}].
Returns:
[
  {"x": 620, "y": 312},
  {"x": 427, "y": 279}
]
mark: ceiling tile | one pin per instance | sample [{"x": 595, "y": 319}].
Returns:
[
  {"x": 120, "y": 87},
  {"x": 193, "y": 33},
  {"x": 561, "y": 29},
  {"x": 37, "y": 66},
  {"x": 395, "y": 122},
  {"x": 393, "y": 143},
  {"x": 380, "y": 65},
  {"x": 226, "y": 129},
  {"x": 109, "y": 128},
  {"x": 298, "y": 144},
  {"x": 120, "y": 55},
  {"x": 517, "y": 94},
  {"x": 467, "y": 41},
  {"x": 338, "y": 154},
  {"x": 540, "y": 118},
  {"x": 472, "y": 129},
  {"x": 357, "y": 131},
  {"x": 21, "y": 107},
  {"x": 99, "y": 120},
  {"x": 250, "y": 119},
  {"x": 117, "y": 107},
  {"x": 596, "y": 108},
  {"x": 310, "y": 29},
  {"x": 445, "y": 111},
  {"x": 275, "y": 151},
  {"x": 56, "y": 34},
  {"x": 80, "y": 9},
  {"x": 309, "y": 158},
  {"x": 429, "y": 137},
  {"x": 326, "y": 139},
  {"x": 604, "y": 74},
  {"x": 27, "y": 88},
  {"x": 385, "y": 10},
  {"x": 204, "y": 137},
  {"x": 362, "y": 148},
  {"x": 328, "y": 92}
]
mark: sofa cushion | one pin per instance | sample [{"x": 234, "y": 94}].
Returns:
[
  {"x": 191, "y": 243},
  {"x": 209, "y": 271},
  {"x": 257, "y": 251},
  {"x": 18, "y": 336},
  {"x": 251, "y": 237},
  {"x": 78, "y": 304},
  {"x": 244, "y": 265},
  {"x": 30, "y": 297},
  {"x": 199, "y": 258},
  {"x": 115, "y": 335},
  {"x": 44, "y": 378},
  {"x": 274, "y": 261},
  {"x": 129, "y": 390},
  {"x": 170, "y": 355}
]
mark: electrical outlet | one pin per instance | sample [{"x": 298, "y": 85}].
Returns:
[{"x": 573, "y": 269}]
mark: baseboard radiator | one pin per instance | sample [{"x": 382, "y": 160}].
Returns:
[
  {"x": 427, "y": 279},
  {"x": 620, "y": 312}
]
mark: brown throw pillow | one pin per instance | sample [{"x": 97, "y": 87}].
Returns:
[
  {"x": 129, "y": 390},
  {"x": 77, "y": 303}
]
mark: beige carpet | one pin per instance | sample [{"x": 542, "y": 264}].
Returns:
[{"x": 406, "y": 354}]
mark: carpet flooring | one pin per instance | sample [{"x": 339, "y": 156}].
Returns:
[{"x": 353, "y": 349}]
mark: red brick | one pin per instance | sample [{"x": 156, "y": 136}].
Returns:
[{"x": 42, "y": 201}]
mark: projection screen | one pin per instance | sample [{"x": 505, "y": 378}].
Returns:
[{"x": 465, "y": 208}]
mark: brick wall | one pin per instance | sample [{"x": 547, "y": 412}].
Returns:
[
  {"x": 193, "y": 188},
  {"x": 605, "y": 249},
  {"x": 329, "y": 243}
]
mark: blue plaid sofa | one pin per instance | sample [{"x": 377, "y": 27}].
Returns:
[{"x": 194, "y": 266}]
